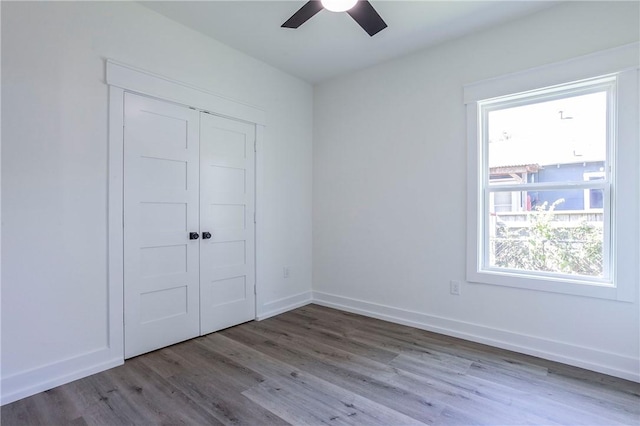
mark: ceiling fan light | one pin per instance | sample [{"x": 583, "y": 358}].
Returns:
[{"x": 338, "y": 5}]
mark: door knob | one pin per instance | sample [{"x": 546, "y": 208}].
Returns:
[
  {"x": 206, "y": 235},
  {"x": 193, "y": 235}
]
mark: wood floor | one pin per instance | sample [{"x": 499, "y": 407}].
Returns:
[{"x": 316, "y": 365}]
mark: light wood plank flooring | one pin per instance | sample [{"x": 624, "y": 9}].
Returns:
[{"x": 316, "y": 365}]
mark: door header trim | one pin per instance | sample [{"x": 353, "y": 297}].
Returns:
[{"x": 150, "y": 84}]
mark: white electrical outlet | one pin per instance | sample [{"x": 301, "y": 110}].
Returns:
[
  {"x": 285, "y": 272},
  {"x": 455, "y": 287}
]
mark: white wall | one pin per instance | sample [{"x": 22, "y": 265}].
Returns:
[
  {"x": 385, "y": 241},
  {"x": 389, "y": 202},
  {"x": 54, "y": 174}
]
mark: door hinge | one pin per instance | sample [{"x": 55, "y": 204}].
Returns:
[
  {"x": 255, "y": 145},
  {"x": 254, "y": 290},
  {"x": 254, "y": 217}
]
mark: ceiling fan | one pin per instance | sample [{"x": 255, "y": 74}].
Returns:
[{"x": 360, "y": 10}]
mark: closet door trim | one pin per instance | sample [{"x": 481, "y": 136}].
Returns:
[
  {"x": 157, "y": 86},
  {"x": 123, "y": 78}
]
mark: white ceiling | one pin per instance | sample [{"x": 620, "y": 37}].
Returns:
[{"x": 330, "y": 44}]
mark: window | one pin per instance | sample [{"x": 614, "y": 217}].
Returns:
[
  {"x": 553, "y": 172},
  {"x": 551, "y": 234}
]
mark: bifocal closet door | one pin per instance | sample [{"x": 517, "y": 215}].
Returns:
[
  {"x": 227, "y": 193},
  {"x": 161, "y": 196}
]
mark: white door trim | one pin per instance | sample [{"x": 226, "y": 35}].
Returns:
[
  {"x": 115, "y": 229},
  {"x": 146, "y": 83},
  {"x": 121, "y": 78}
]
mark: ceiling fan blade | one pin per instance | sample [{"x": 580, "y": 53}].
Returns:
[
  {"x": 367, "y": 17},
  {"x": 305, "y": 13}
]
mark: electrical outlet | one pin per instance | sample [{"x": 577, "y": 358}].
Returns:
[
  {"x": 455, "y": 287},
  {"x": 285, "y": 272}
]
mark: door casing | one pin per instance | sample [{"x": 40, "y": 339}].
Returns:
[{"x": 123, "y": 78}]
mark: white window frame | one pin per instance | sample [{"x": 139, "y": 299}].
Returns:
[{"x": 621, "y": 227}]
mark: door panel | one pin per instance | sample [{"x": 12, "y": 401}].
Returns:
[
  {"x": 227, "y": 194},
  {"x": 161, "y": 207}
]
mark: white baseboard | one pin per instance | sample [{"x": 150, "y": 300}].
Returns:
[
  {"x": 24, "y": 384},
  {"x": 591, "y": 359},
  {"x": 27, "y": 383},
  {"x": 283, "y": 305}
]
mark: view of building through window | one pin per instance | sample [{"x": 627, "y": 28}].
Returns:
[{"x": 545, "y": 193}]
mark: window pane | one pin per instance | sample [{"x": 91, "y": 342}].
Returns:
[
  {"x": 564, "y": 199},
  {"x": 594, "y": 198},
  {"x": 546, "y": 238},
  {"x": 552, "y": 141}
]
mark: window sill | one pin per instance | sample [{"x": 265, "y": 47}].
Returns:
[{"x": 570, "y": 286}]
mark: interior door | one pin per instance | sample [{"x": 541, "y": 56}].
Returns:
[
  {"x": 161, "y": 197},
  {"x": 227, "y": 200}
]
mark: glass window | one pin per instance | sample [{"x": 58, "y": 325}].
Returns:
[
  {"x": 553, "y": 177},
  {"x": 540, "y": 188}
]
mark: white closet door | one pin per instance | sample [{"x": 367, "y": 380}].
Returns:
[
  {"x": 227, "y": 188},
  {"x": 161, "y": 265}
]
